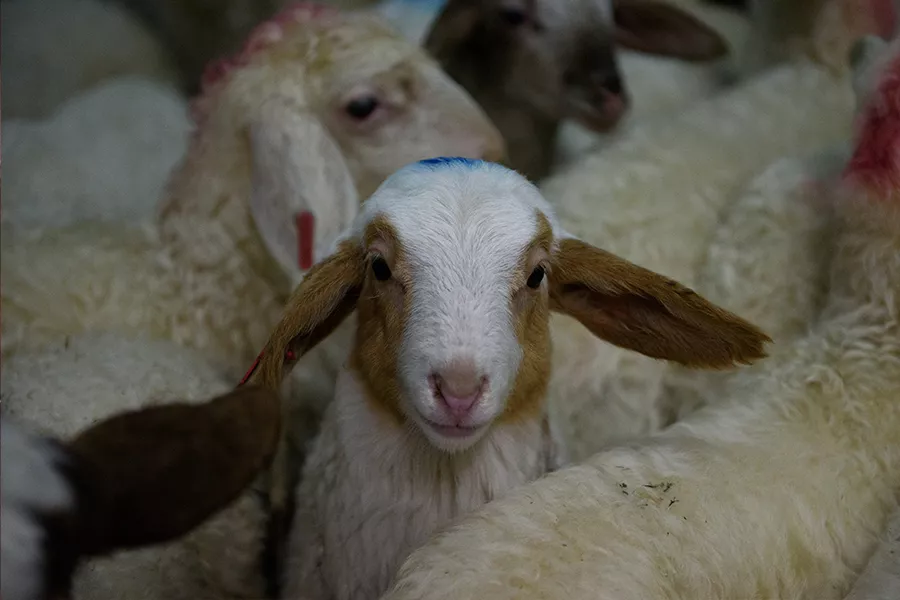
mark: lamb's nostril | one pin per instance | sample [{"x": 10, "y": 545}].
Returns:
[
  {"x": 612, "y": 83},
  {"x": 459, "y": 388}
]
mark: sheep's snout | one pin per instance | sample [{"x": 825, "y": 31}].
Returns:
[{"x": 458, "y": 388}]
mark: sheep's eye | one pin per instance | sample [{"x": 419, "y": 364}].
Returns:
[
  {"x": 536, "y": 277},
  {"x": 361, "y": 108},
  {"x": 513, "y": 16},
  {"x": 380, "y": 269}
]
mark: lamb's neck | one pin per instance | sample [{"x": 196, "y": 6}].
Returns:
[{"x": 508, "y": 455}]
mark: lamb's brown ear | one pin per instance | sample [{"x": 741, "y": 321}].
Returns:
[
  {"x": 657, "y": 27},
  {"x": 640, "y": 310},
  {"x": 325, "y": 297},
  {"x": 452, "y": 27},
  {"x": 152, "y": 475}
]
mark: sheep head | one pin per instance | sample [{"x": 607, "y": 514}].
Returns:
[{"x": 318, "y": 108}]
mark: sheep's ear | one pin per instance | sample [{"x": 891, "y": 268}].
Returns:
[
  {"x": 152, "y": 475},
  {"x": 637, "y": 309},
  {"x": 657, "y": 27},
  {"x": 452, "y": 27},
  {"x": 302, "y": 193},
  {"x": 325, "y": 297}
]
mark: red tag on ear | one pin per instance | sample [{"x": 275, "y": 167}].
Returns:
[
  {"x": 252, "y": 369},
  {"x": 305, "y": 223}
]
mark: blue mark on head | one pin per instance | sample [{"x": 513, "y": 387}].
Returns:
[{"x": 450, "y": 161}]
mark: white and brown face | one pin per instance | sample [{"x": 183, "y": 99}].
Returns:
[
  {"x": 454, "y": 266},
  {"x": 559, "y": 56}
]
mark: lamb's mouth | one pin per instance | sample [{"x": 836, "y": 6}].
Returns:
[{"x": 452, "y": 431}]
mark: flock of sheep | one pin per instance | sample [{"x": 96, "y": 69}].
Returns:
[{"x": 428, "y": 440}]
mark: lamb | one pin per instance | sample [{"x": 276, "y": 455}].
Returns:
[
  {"x": 654, "y": 196},
  {"x": 532, "y": 64},
  {"x": 781, "y": 490},
  {"x": 105, "y": 154},
  {"x": 135, "y": 479},
  {"x": 285, "y": 135},
  {"x": 55, "y": 49},
  {"x": 453, "y": 266}
]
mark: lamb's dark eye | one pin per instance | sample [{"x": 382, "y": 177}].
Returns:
[
  {"x": 536, "y": 277},
  {"x": 361, "y": 108},
  {"x": 380, "y": 269},
  {"x": 513, "y": 16}
]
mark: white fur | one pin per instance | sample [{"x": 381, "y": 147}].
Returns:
[
  {"x": 32, "y": 483},
  {"x": 54, "y": 49},
  {"x": 105, "y": 155},
  {"x": 780, "y": 491},
  {"x": 372, "y": 489},
  {"x": 372, "y": 492}
]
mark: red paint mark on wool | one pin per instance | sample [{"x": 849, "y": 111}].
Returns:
[
  {"x": 875, "y": 163},
  {"x": 305, "y": 223}
]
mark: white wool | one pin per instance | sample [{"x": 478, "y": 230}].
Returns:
[
  {"x": 653, "y": 196},
  {"x": 53, "y": 49},
  {"x": 105, "y": 154},
  {"x": 768, "y": 262},
  {"x": 65, "y": 388},
  {"x": 31, "y": 483},
  {"x": 780, "y": 491},
  {"x": 881, "y": 578}
]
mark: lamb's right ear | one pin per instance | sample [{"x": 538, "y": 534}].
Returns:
[
  {"x": 149, "y": 476},
  {"x": 302, "y": 193},
  {"x": 325, "y": 297},
  {"x": 640, "y": 310},
  {"x": 451, "y": 28}
]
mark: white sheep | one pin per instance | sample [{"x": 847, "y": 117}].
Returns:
[
  {"x": 54, "y": 49},
  {"x": 781, "y": 490},
  {"x": 134, "y": 479},
  {"x": 654, "y": 196},
  {"x": 64, "y": 389},
  {"x": 105, "y": 154},
  {"x": 311, "y": 116},
  {"x": 453, "y": 266}
]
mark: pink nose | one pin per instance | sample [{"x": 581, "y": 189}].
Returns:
[{"x": 459, "y": 387}]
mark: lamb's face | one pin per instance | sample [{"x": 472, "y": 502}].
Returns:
[
  {"x": 453, "y": 312},
  {"x": 387, "y": 104}
]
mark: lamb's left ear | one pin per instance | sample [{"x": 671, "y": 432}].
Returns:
[
  {"x": 640, "y": 310},
  {"x": 657, "y": 27}
]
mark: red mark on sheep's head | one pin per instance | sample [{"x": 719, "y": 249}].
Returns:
[
  {"x": 875, "y": 164},
  {"x": 263, "y": 36}
]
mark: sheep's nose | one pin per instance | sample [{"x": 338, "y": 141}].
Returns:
[
  {"x": 459, "y": 387},
  {"x": 612, "y": 83}
]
